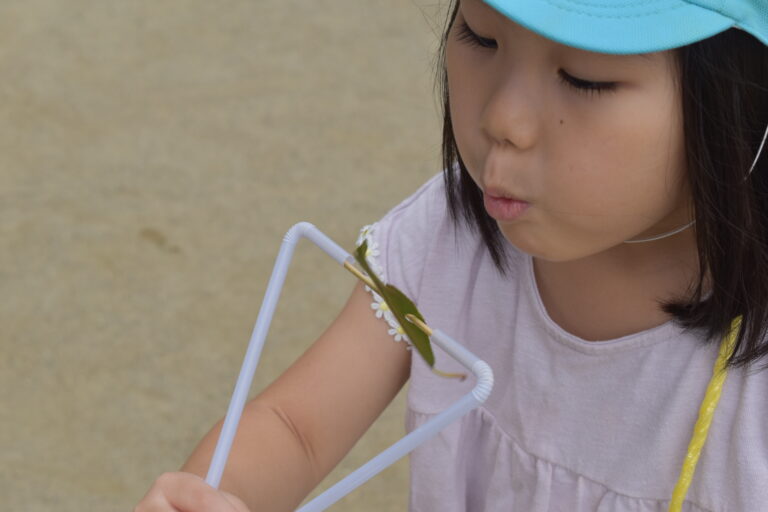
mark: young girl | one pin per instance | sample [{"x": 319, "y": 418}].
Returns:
[{"x": 601, "y": 220}]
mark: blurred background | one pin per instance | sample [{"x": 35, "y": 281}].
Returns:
[{"x": 153, "y": 155}]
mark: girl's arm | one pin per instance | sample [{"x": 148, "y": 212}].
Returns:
[{"x": 295, "y": 432}]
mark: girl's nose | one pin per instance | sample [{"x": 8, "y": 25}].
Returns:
[{"x": 509, "y": 114}]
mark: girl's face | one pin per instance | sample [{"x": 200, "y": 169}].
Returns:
[{"x": 597, "y": 166}]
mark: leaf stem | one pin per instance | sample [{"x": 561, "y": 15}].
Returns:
[
  {"x": 428, "y": 331},
  {"x": 460, "y": 376}
]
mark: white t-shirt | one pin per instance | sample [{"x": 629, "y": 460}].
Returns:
[{"x": 571, "y": 425}]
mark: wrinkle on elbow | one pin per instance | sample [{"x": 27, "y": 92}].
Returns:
[{"x": 304, "y": 443}]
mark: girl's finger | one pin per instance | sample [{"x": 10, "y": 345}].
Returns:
[{"x": 185, "y": 492}]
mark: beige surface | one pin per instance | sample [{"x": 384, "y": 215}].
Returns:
[{"x": 153, "y": 155}]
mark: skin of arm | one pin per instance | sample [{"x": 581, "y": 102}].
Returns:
[{"x": 297, "y": 430}]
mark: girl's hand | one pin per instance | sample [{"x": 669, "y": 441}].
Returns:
[{"x": 185, "y": 492}]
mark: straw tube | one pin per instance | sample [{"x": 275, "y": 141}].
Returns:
[
  {"x": 275, "y": 286},
  {"x": 478, "y": 395}
]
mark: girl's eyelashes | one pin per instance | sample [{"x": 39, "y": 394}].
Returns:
[
  {"x": 468, "y": 36},
  {"x": 585, "y": 86}
]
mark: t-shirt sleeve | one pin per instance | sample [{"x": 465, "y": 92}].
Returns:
[{"x": 398, "y": 243}]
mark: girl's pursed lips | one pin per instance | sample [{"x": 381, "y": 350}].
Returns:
[
  {"x": 504, "y": 209},
  {"x": 500, "y": 193}
]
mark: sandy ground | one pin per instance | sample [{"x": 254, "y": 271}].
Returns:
[{"x": 153, "y": 156}]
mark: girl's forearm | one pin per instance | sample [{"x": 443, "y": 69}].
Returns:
[{"x": 268, "y": 466}]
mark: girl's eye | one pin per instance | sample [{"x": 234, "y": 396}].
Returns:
[
  {"x": 467, "y": 35},
  {"x": 585, "y": 86}
]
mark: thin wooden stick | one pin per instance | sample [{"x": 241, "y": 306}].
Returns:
[
  {"x": 410, "y": 317},
  {"x": 356, "y": 272},
  {"x": 418, "y": 323}
]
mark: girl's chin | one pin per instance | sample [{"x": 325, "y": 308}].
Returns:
[
  {"x": 534, "y": 246},
  {"x": 515, "y": 236}
]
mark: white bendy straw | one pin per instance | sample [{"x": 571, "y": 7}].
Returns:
[{"x": 478, "y": 395}]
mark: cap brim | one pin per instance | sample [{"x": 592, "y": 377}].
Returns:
[{"x": 664, "y": 25}]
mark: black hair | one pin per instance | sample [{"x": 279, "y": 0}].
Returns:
[{"x": 724, "y": 86}]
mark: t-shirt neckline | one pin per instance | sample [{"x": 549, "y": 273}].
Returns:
[{"x": 639, "y": 339}]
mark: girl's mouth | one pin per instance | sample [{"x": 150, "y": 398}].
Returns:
[{"x": 504, "y": 209}]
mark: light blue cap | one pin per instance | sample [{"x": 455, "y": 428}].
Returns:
[{"x": 635, "y": 26}]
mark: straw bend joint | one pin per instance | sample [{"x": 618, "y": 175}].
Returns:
[
  {"x": 308, "y": 230},
  {"x": 297, "y": 231},
  {"x": 484, "y": 385}
]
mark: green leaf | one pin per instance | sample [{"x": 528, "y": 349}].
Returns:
[
  {"x": 400, "y": 305},
  {"x": 360, "y": 258}
]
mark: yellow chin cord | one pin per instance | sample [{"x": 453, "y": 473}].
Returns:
[{"x": 706, "y": 411}]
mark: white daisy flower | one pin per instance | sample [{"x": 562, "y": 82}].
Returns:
[
  {"x": 364, "y": 234},
  {"x": 373, "y": 249},
  {"x": 389, "y": 316},
  {"x": 398, "y": 333},
  {"x": 381, "y": 308}
]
